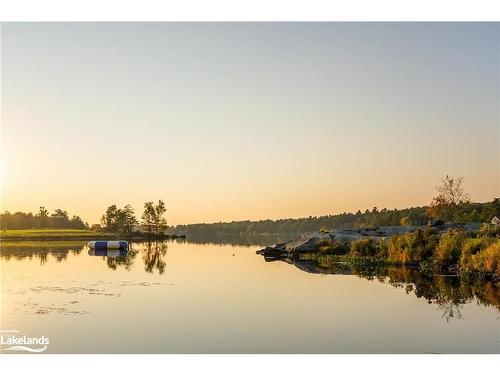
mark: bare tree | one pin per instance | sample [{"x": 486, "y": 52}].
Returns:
[
  {"x": 451, "y": 189},
  {"x": 451, "y": 195}
]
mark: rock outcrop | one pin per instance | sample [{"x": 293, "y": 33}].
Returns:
[{"x": 309, "y": 242}]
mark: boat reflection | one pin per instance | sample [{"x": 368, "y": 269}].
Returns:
[{"x": 108, "y": 253}]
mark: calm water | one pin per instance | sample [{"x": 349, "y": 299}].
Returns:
[{"x": 180, "y": 297}]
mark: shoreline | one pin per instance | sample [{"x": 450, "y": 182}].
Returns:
[
  {"x": 72, "y": 236},
  {"x": 446, "y": 247}
]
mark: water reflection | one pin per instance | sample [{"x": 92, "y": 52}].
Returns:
[
  {"x": 153, "y": 256},
  {"x": 126, "y": 261},
  {"x": 243, "y": 239},
  {"x": 448, "y": 292},
  {"x": 59, "y": 250},
  {"x": 153, "y": 253},
  {"x": 116, "y": 258},
  {"x": 108, "y": 253}
]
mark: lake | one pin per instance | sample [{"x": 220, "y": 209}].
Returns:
[{"x": 183, "y": 297}]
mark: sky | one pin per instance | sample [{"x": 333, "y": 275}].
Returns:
[{"x": 236, "y": 121}]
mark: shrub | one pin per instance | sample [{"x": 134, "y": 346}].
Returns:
[
  {"x": 334, "y": 247},
  {"x": 487, "y": 261},
  {"x": 411, "y": 247},
  {"x": 416, "y": 246},
  {"x": 449, "y": 248},
  {"x": 382, "y": 249},
  {"x": 490, "y": 230},
  {"x": 428, "y": 233},
  {"x": 470, "y": 247},
  {"x": 396, "y": 250},
  {"x": 364, "y": 247}
]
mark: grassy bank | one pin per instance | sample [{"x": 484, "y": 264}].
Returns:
[
  {"x": 475, "y": 255},
  {"x": 29, "y": 234},
  {"x": 68, "y": 234}
]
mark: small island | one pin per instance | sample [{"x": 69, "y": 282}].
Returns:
[
  {"x": 467, "y": 249},
  {"x": 444, "y": 245}
]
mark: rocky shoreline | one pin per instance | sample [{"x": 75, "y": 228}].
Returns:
[{"x": 309, "y": 242}]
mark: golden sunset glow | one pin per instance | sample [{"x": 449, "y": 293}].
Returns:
[{"x": 274, "y": 121}]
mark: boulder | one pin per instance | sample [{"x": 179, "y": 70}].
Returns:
[{"x": 307, "y": 242}]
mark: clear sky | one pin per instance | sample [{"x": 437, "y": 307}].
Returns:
[{"x": 246, "y": 120}]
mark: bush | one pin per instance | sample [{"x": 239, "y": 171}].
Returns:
[
  {"x": 412, "y": 247},
  {"x": 449, "y": 248},
  {"x": 396, "y": 250},
  {"x": 364, "y": 247},
  {"x": 487, "y": 261},
  {"x": 490, "y": 230},
  {"x": 333, "y": 247},
  {"x": 382, "y": 249},
  {"x": 416, "y": 246},
  {"x": 470, "y": 247}
]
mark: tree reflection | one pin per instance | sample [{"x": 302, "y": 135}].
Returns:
[
  {"x": 125, "y": 261},
  {"x": 450, "y": 310},
  {"x": 40, "y": 250},
  {"x": 60, "y": 256},
  {"x": 43, "y": 258},
  {"x": 449, "y": 293},
  {"x": 153, "y": 254}
]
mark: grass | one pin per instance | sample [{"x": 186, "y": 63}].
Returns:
[
  {"x": 6, "y": 234},
  {"x": 36, "y": 243},
  {"x": 67, "y": 234}
]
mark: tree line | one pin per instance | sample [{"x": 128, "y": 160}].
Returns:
[
  {"x": 451, "y": 204},
  {"x": 42, "y": 219},
  {"x": 113, "y": 220},
  {"x": 466, "y": 212}
]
